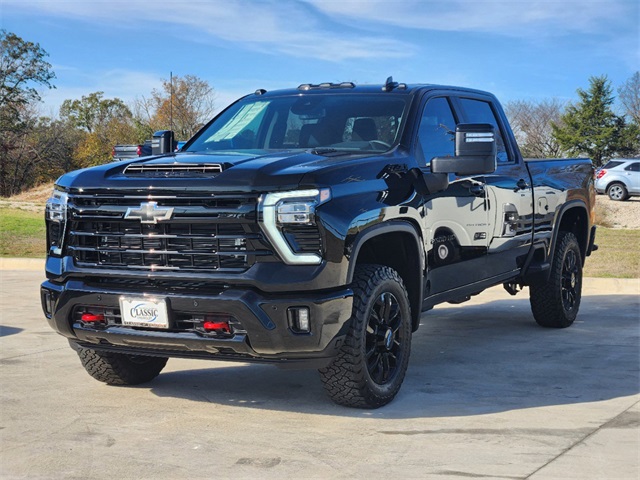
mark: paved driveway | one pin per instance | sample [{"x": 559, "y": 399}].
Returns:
[{"x": 488, "y": 394}]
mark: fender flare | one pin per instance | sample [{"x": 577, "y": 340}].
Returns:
[
  {"x": 392, "y": 226},
  {"x": 572, "y": 204},
  {"x": 415, "y": 290}
]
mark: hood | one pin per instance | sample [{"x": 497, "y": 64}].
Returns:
[{"x": 228, "y": 171}]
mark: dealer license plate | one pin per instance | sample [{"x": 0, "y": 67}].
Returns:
[{"x": 144, "y": 312}]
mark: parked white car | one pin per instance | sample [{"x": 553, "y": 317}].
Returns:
[{"x": 619, "y": 178}]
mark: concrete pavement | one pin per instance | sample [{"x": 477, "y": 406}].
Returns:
[{"x": 488, "y": 394}]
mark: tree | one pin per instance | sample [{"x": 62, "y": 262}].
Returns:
[
  {"x": 590, "y": 127},
  {"x": 22, "y": 69},
  {"x": 531, "y": 123},
  {"x": 39, "y": 152},
  {"x": 183, "y": 106},
  {"x": 105, "y": 123},
  {"x": 629, "y": 95},
  {"x": 22, "y": 65},
  {"x": 93, "y": 113}
]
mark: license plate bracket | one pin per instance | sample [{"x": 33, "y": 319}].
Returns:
[{"x": 147, "y": 312}]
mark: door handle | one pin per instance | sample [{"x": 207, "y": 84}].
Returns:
[{"x": 521, "y": 185}]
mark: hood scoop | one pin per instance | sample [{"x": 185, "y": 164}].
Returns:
[{"x": 174, "y": 169}]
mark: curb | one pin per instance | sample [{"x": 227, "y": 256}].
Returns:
[{"x": 30, "y": 264}]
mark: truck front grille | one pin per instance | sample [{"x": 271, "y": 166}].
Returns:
[{"x": 203, "y": 233}]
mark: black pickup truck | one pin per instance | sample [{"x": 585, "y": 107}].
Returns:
[{"x": 313, "y": 226}]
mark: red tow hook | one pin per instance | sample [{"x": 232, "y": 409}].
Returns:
[
  {"x": 92, "y": 317},
  {"x": 218, "y": 327}
]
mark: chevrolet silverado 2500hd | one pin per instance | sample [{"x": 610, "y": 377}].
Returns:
[{"x": 313, "y": 225}]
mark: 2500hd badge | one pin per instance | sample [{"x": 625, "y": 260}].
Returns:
[{"x": 312, "y": 225}]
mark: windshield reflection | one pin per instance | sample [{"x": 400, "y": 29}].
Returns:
[{"x": 328, "y": 123}]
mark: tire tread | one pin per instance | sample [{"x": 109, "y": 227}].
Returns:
[
  {"x": 118, "y": 369},
  {"x": 545, "y": 297},
  {"x": 345, "y": 379}
]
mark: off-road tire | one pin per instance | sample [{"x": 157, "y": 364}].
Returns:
[
  {"x": 120, "y": 369},
  {"x": 617, "y": 192},
  {"x": 372, "y": 362},
  {"x": 555, "y": 303}
]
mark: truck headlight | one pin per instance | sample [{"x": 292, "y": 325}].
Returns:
[
  {"x": 287, "y": 209},
  {"x": 56, "y": 219}
]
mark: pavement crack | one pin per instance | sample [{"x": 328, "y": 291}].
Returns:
[
  {"x": 582, "y": 440},
  {"x": 33, "y": 353}
]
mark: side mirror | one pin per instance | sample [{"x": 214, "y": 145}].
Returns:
[{"x": 475, "y": 151}]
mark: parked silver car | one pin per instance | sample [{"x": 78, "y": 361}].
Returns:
[{"x": 619, "y": 178}]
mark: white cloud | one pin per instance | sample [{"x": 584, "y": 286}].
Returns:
[
  {"x": 509, "y": 17},
  {"x": 270, "y": 26}
]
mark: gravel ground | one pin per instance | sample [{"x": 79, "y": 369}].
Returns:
[{"x": 618, "y": 214}]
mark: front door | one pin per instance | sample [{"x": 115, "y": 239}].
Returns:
[{"x": 457, "y": 222}]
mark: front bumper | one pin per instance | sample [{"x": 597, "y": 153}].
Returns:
[{"x": 266, "y": 333}]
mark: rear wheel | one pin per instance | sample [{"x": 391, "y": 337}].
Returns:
[
  {"x": 555, "y": 303},
  {"x": 617, "y": 191},
  {"x": 120, "y": 369},
  {"x": 371, "y": 365}
]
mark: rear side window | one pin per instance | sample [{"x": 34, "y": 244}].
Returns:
[
  {"x": 478, "y": 111},
  {"x": 612, "y": 164},
  {"x": 436, "y": 134},
  {"x": 633, "y": 167}
]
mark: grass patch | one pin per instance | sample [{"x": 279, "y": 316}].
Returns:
[
  {"x": 22, "y": 233},
  {"x": 603, "y": 216},
  {"x": 618, "y": 255}
]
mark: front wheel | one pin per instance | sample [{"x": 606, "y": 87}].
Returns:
[
  {"x": 371, "y": 365},
  {"x": 555, "y": 303},
  {"x": 118, "y": 368}
]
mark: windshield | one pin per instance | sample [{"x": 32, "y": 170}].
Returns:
[{"x": 340, "y": 122}]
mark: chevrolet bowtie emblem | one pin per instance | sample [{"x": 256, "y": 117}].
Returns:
[{"x": 149, "y": 212}]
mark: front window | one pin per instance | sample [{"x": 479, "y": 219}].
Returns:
[
  {"x": 436, "y": 134},
  {"x": 340, "y": 122}
]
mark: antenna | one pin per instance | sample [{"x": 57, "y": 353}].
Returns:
[
  {"x": 171, "y": 101},
  {"x": 389, "y": 85}
]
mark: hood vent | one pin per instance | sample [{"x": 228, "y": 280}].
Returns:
[{"x": 173, "y": 169}]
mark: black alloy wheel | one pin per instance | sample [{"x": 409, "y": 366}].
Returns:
[
  {"x": 570, "y": 281},
  {"x": 383, "y": 338}
]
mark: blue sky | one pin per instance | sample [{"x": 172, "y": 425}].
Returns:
[{"x": 517, "y": 49}]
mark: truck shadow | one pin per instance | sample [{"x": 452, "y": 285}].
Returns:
[
  {"x": 466, "y": 360},
  {"x": 5, "y": 331}
]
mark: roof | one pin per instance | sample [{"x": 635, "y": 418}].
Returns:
[{"x": 347, "y": 87}]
